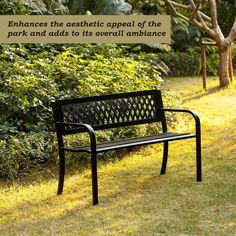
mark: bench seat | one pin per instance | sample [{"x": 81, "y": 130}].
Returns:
[{"x": 133, "y": 142}]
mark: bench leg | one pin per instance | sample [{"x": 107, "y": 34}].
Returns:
[
  {"x": 94, "y": 177},
  {"x": 198, "y": 158},
  {"x": 61, "y": 171},
  {"x": 165, "y": 157}
]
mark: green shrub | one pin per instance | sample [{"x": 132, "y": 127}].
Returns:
[
  {"x": 212, "y": 60},
  {"x": 14, "y": 7},
  {"x": 31, "y": 76},
  {"x": 89, "y": 70},
  {"x": 23, "y": 152},
  {"x": 189, "y": 63},
  {"x": 26, "y": 151},
  {"x": 8, "y": 165},
  {"x": 34, "y": 76},
  {"x": 181, "y": 63}
]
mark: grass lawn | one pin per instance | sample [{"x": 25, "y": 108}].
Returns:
[{"x": 134, "y": 198}]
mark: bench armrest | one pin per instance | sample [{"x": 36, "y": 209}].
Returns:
[
  {"x": 195, "y": 116},
  {"x": 87, "y": 127}
]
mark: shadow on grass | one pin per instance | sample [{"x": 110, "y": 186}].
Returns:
[
  {"x": 206, "y": 93},
  {"x": 39, "y": 175}
]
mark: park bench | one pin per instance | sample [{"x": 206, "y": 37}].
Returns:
[{"x": 89, "y": 114}]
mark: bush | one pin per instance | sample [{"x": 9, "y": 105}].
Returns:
[
  {"x": 90, "y": 70},
  {"x": 14, "y": 7},
  {"x": 31, "y": 76},
  {"x": 189, "y": 63},
  {"x": 181, "y": 63},
  {"x": 23, "y": 152},
  {"x": 34, "y": 76}
]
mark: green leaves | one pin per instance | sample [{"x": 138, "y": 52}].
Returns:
[
  {"x": 181, "y": 63},
  {"x": 34, "y": 75},
  {"x": 111, "y": 7},
  {"x": 14, "y": 7},
  {"x": 23, "y": 152},
  {"x": 99, "y": 7}
]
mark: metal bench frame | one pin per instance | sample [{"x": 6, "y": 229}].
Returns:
[{"x": 89, "y": 114}]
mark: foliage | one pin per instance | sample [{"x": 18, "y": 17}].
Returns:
[
  {"x": 25, "y": 91},
  {"x": 14, "y": 7},
  {"x": 104, "y": 75},
  {"x": 212, "y": 60},
  {"x": 185, "y": 37},
  {"x": 6, "y": 130},
  {"x": 23, "y": 152},
  {"x": 226, "y": 13},
  {"x": 99, "y": 7},
  {"x": 23, "y": 7},
  {"x": 148, "y": 7},
  {"x": 63, "y": 7},
  {"x": 57, "y": 7},
  {"x": 32, "y": 77},
  {"x": 181, "y": 63},
  {"x": 189, "y": 63}
]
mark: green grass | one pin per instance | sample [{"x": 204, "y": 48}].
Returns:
[{"x": 134, "y": 198}]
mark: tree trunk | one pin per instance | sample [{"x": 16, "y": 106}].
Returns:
[{"x": 224, "y": 67}]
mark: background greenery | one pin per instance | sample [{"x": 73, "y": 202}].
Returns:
[{"x": 32, "y": 76}]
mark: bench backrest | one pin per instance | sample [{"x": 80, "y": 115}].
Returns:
[{"x": 110, "y": 111}]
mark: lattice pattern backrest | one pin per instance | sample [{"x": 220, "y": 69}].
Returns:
[{"x": 108, "y": 111}]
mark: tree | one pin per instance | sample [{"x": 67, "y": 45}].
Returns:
[{"x": 194, "y": 14}]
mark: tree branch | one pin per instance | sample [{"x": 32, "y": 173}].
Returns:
[
  {"x": 171, "y": 4},
  {"x": 205, "y": 17},
  {"x": 175, "y": 4},
  {"x": 201, "y": 25},
  {"x": 213, "y": 13},
  {"x": 195, "y": 11}
]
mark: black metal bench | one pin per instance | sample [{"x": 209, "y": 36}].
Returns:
[{"x": 110, "y": 111}]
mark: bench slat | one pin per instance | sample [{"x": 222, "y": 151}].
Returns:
[{"x": 131, "y": 142}]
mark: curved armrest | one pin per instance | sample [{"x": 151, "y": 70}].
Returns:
[
  {"x": 87, "y": 127},
  {"x": 195, "y": 116}
]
